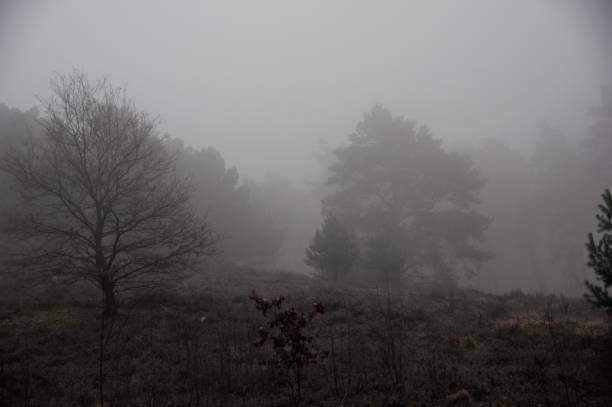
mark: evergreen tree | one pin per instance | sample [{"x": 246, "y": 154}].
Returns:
[
  {"x": 395, "y": 182},
  {"x": 333, "y": 251},
  {"x": 600, "y": 256}
]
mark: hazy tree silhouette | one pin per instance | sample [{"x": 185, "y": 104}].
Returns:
[
  {"x": 251, "y": 232},
  {"x": 99, "y": 198},
  {"x": 15, "y": 127},
  {"x": 333, "y": 251},
  {"x": 550, "y": 218},
  {"x": 598, "y": 142},
  {"x": 396, "y": 181}
]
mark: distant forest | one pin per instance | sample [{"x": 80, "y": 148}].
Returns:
[{"x": 513, "y": 220}]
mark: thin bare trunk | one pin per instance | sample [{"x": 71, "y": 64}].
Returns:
[{"x": 110, "y": 300}]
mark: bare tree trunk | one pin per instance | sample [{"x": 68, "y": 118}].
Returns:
[
  {"x": 110, "y": 301},
  {"x": 101, "y": 352}
]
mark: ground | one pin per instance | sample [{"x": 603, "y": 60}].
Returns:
[{"x": 193, "y": 345}]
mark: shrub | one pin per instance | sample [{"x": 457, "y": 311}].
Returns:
[{"x": 293, "y": 348}]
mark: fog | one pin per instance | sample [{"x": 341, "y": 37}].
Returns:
[
  {"x": 263, "y": 81},
  {"x": 305, "y": 203},
  {"x": 272, "y": 87}
]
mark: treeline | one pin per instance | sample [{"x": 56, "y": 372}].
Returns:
[
  {"x": 399, "y": 205},
  {"x": 543, "y": 204},
  {"x": 260, "y": 224}
]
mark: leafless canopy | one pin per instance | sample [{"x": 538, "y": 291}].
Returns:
[{"x": 100, "y": 199}]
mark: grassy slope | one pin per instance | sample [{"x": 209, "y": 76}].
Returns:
[{"x": 194, "y": 346}]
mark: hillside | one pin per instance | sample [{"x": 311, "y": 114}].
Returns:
[{"x": 195, "y": 346}]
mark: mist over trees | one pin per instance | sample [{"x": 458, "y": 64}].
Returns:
[
  {"x": 485, "y": 215},
  {"x": 598, "y": 143},
  {"x": 256, "y": 223},
  {"x": 408, "y": 200},
  {"x": 252, "y": 234},
  {"x": 542, "y": 204},
  {"x": 525, "y": 214},
  {"x": 15, "y": 126},
  {"x": 347, "y": 203}
]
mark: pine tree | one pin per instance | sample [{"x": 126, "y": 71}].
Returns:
[
  {"x": 333, "y": 250},
  {"x": 600, "y": 256},
  {"x": 396, "y": 182}
]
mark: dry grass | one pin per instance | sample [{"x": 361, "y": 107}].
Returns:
[{"x": 194, "y": 347}]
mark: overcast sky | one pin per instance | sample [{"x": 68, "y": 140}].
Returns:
[{"x": 262, "y": 81}]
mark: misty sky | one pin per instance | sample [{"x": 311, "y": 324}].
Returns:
[{"x": 262, "y": 81}]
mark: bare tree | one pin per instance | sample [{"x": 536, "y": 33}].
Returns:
[{"x": 100, "y": 200}]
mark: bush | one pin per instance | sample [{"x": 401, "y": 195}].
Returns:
[{"x": 293, "y": 348}]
